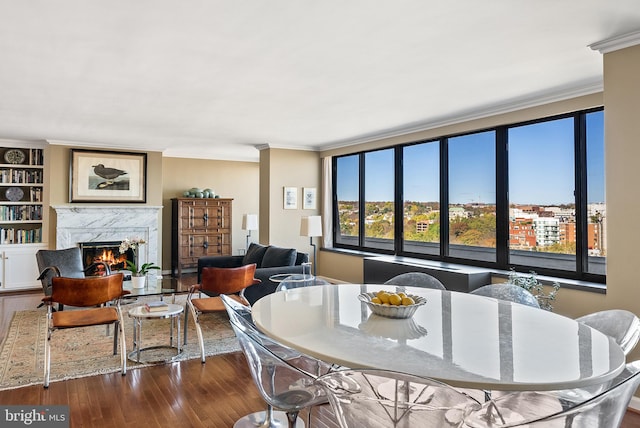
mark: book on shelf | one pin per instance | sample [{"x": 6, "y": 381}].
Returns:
[{"x": 156, "y": 306}]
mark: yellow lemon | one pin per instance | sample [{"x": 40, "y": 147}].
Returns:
[
  {"x": 383, "y": 296},
  {"x": 394, "y": 299},
  {"x": 406, "y": 301},
  {"x": 376, "y": 300},
  {"x": 401, "y": 294}
]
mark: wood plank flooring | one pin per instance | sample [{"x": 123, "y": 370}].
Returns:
[{"x": 186, "y": 394}]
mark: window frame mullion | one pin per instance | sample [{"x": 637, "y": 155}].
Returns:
[{"x": 502, "y": 197}]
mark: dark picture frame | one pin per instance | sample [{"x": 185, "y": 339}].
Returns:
[{"x": 107, "y": 176}]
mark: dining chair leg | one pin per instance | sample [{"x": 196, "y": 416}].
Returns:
[
  {"x": 196, "y": 321},
  {"x": 123, "y": 348},
  {"x": 265, "y": 419},
  {"x": 47, "y": 358},
  {"x": 116, "y": 328},
  {"x": 292, "y": 417},
  {"x": 186, "y": 322}
]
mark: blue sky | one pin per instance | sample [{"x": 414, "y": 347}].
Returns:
[{"x": 541, "y": 167}]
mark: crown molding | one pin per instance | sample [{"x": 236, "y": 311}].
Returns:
[
  {"x": 617, "y": 43},
  {"x": 261, "y": 147},
  {"x": 479, "y": 113}
]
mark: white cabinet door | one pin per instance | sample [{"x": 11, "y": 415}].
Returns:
[{"x": 19, "y": 267}]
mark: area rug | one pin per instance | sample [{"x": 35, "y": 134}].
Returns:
[{"x": 89, "y": 351}]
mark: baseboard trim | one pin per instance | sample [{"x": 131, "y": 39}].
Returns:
[{"x": 634, "y": 404}]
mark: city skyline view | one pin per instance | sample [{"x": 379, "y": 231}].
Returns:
[{"x": 541, "y": 167}]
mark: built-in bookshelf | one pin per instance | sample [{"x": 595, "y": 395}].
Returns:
[{"x": 21, "y": 195}]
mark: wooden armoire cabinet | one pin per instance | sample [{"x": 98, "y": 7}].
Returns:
[{"x": 201, "y": 227}]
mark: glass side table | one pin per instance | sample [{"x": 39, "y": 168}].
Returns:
[
  {"x": 289, "y": 281},
  {"x": 139, "y": 313},
  {"x": 306, "y": 274}
]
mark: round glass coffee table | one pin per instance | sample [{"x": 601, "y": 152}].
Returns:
[{"x": 139, "y": 313}]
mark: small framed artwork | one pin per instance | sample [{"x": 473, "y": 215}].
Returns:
[
  {"x": 309, "y": 198},
  {"x": 105, "y": 176},
  {"x": 290, "y": 198}
]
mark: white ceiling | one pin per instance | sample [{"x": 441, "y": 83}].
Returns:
[{"x": 218, "y": 78}]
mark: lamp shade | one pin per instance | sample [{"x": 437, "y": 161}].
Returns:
[
  {"x": 250, "y": 222},
  {"x": 311, "y": 226}
]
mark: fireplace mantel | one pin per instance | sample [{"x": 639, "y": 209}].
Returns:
[{"x": 87, "y": 223}]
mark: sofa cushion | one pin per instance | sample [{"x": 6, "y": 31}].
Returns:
[
  {"x": 276, "y": 256},
  {"x": 254, "y": 254}
]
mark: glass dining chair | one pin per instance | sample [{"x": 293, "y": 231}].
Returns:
[
  {"x": 508, "y": 292},
  {"x": 240, "y": 316},
  {"x": 416, "y": 279},
  {"x": 380, "y": 399},
  {"x": 282, "y": 385},
  {"x": 604, "y": 409},
  {"x": 623, "y": 326}
]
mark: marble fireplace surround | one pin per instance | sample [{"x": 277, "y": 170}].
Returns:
[{"x": 92, "y": 223}]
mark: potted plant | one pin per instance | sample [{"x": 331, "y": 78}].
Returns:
[
  {"x": 138, "y": 272},
  {"x": 531, "y": 284}
]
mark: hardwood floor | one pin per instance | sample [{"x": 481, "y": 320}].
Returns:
[{"x": 186, "y": 394}]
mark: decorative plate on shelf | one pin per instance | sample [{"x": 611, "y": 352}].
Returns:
[
  {"x": 14, "y": 156},
  {"x": 14, "y": 194}
]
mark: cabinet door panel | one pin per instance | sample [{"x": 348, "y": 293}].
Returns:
[
  {"x": 20, "y": 268},
  {"x": 205, "y": 245}
]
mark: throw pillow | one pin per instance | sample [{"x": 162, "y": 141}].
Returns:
[
  {"x": 254, "y": 254},
  {"x": 276, "y": 257}
]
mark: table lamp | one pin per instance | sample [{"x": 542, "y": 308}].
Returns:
[
  {"x": 311, "y": 226},
  {"x": 249, "y": 223}
]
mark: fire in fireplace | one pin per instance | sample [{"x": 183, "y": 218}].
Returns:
[{"x": 104, "y": 251}]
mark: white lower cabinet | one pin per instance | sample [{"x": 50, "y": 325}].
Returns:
[{"x": 18, "y": 266}]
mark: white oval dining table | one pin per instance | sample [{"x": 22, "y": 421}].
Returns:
[{"x": 462, "y": 339}]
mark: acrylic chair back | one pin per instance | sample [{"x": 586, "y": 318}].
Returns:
[
  {"x": 508, "y": 292},
  {"x": 623, "y": 326},
  {"x": 240, "y": 315},
  {"x": 381, "y": 399},
  {"x": 416, "y": 279},
  {"x": 281, "y": 385}
]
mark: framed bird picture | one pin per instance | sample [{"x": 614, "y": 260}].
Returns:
[{"x": 107, "y": 176}]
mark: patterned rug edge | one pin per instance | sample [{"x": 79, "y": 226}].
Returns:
[{"x": 9, "y": 347}]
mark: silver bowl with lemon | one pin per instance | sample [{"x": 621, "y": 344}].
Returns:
[{"x": 392, "y": 305}]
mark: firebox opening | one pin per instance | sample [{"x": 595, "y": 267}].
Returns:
[{"x": 105, "y": 251}]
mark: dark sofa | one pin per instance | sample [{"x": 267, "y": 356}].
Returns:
[{"x": 270, "y": 260}]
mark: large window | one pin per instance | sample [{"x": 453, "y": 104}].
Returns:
[
  {"x": 347, "y": 190},
  {"x": 542, "y": 210},
  {"x": 596, "y": 208},
  {"x": 379, "y": 198},
  {"x": 472, "y": 196},
  {"x": 527, "y": 195},
  {"x": 421, "y": 203}
]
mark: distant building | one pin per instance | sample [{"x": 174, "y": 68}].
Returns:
[
  {"x": 422, "y": 226},
  {"x": 458, "y": 212},
  {"x": 547, "y": 231},
  {"x": 521, "y": 234},
  {"x": 567, "y": 233}
]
